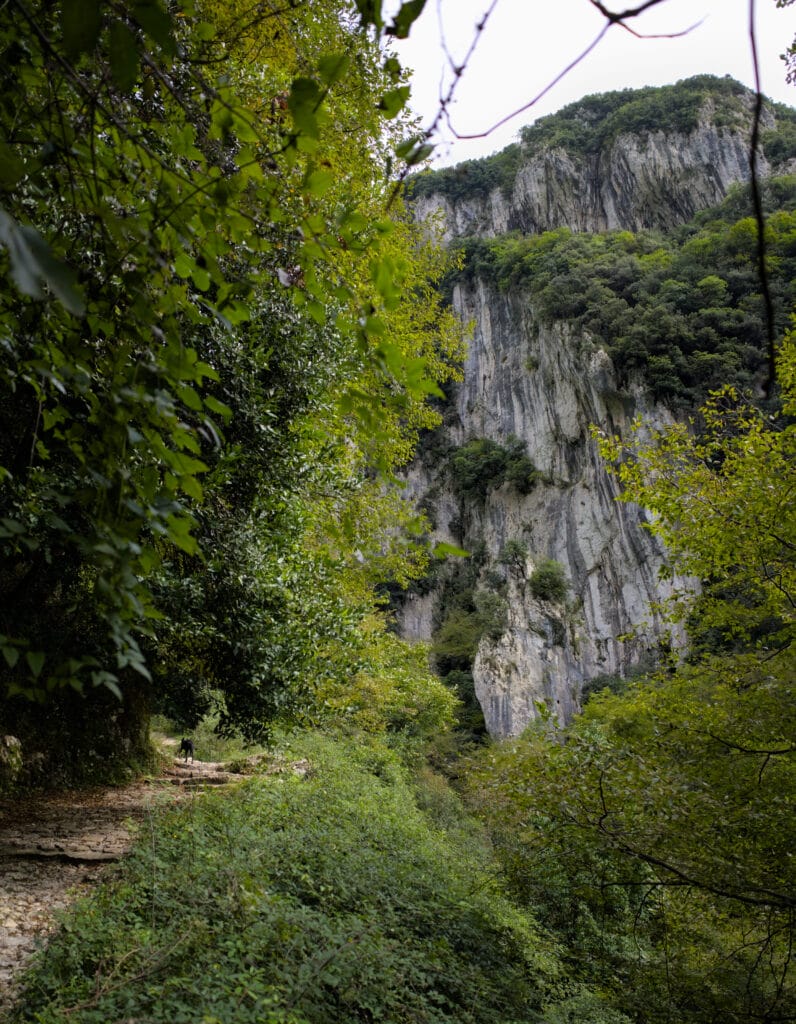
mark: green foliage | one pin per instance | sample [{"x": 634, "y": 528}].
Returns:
[
  {"x": 471, "y": 179},
  {"x": 217, "y": 328},
  {"x": 513, "y": 553},
  {"x": 594, "y": 122},
  {"x": 323, "y": 899},
  {"x": 722, "y": 504},
  {"x": 394, "y": 692},
  {"x": 456, "y": 641},
  {"x": 654, "y": 835},
  {"x": 683, "y": 311},
  {"x": 482, "y": 465},
  {"x": 548, "y": 582}
]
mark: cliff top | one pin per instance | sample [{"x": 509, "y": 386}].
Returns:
[{"x": 584, "y": 128}]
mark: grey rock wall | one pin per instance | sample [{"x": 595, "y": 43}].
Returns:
[
  {"x": 646, "y": 181},
  {"x": 546, "y": 387}
]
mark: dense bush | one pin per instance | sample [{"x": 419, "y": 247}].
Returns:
[
  {"x": 472, "y": 178},
  {"x": 590, "y": 123},
  {"x": 482, "y": 465},
  {"x": 301, "y": 901},
  {"x": 548, "y": 582}
]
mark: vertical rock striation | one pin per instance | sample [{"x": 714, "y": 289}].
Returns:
[
  {"x": 545, "y": 385},
  {"x": 546, "y": 388}
]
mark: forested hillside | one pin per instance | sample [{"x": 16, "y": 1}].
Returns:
[{"x": 231, "y": 359}]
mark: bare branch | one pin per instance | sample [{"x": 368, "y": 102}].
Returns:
[
  {"x": 611, "y": 19},
  {"x": 757, "y": 202}
]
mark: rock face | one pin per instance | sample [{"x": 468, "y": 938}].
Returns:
[
  {"x": 545, "y": 385},
  {"x": 638, "y": 181}
]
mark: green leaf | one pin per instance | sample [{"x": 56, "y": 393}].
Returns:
[
  {"x": 32, "y": 262},
  {"x": 183, "y": 265},
  {"x": 191, "y": 486},
  {"x": 190, "y": 397},
  {"x": 217, "y": 407},
  {"x": 303, "y": 103},
  {"x": 333, "y": 67},
  {"x": 420, "y": 153},
  {"x": 205, "y": 31},
  {"x": 12, "y": 167},
  {"x": 11, "y": 655},
  {"x": 81, "y": 21},
  {"x": 35, "y": 660},
  {"x": 443, "y": 550},
  {"x": 123, "y": 55},
  {"x": 200, "y": 277},
  {"x": 370, "y": 13},
  {"x": 156, "y": 22},
  {"x": 393, "y": 102},
  {"x": 318, "y": 182},
  {"x": 408, "y": 13}
]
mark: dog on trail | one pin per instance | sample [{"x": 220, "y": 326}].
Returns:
[{"x": 186, "y": 747}]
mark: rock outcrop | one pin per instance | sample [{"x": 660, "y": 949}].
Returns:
[
  {"x": 642, "y": 180},
  {"x": 545, "y": 385}
]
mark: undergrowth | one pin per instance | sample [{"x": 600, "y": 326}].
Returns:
[{"x": 326, "y": 898}]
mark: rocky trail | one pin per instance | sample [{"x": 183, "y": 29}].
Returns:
[{"x": 55, "y": 846}]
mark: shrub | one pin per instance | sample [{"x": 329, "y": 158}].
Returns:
[
  {"x": 481, "y": 465},
  {"x": 478, "y": 467},
  {"x": 322, "y": 900},
  {"x": 513, "y": 553},
  {"x": 548, "y": 582}
]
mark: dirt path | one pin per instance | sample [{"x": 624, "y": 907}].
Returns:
[{"x": 54, "y": 847}]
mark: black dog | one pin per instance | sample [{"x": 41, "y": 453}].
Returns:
[{"x": 186, "y": 746}]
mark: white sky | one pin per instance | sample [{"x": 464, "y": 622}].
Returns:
[{"x": 526, "y": 43}]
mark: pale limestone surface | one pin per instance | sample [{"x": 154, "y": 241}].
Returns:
[
  {"x": 547, "y": 385},
  {"x": 652, "y": 180}
]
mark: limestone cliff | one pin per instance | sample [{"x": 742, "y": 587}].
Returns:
[
  {"x": 545, "y": 387},
  {"x": 651, "y": 177},
  {"x": 542, "y": 385}
]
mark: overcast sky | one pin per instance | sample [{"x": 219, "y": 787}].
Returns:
[{"x": 526, "y": 43}]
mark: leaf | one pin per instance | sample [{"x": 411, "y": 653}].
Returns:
[
  {"x": 443, "y": 550},
  {"x": 420, "y": 153},
  {"x": 11, "y": 655},
  {"x": 12, "y": 167},
  {"x": 32, "y": 262},
  {"x": 35, "y": 660},
  {"x": 81, "y": 21},
  {"x": 123, "y": 55},
  {"x": 302, "y": 103},
  {"x": 333, "y": 67},
  {"x": 393, "y": 102},
  {"x": 156, "y": 22},
  {"x": 217, "y": 407},
  {"x": 370, "y": 13},
  {"x": 318, "y": 182},
  {"x": 408, "y": 13}
]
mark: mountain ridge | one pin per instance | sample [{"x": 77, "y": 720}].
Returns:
[
  {"x": 540, "y": 371},
  {"x": 609, "y": 162}
]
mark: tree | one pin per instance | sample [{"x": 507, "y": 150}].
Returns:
[{"x": 205, "y": 356}]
